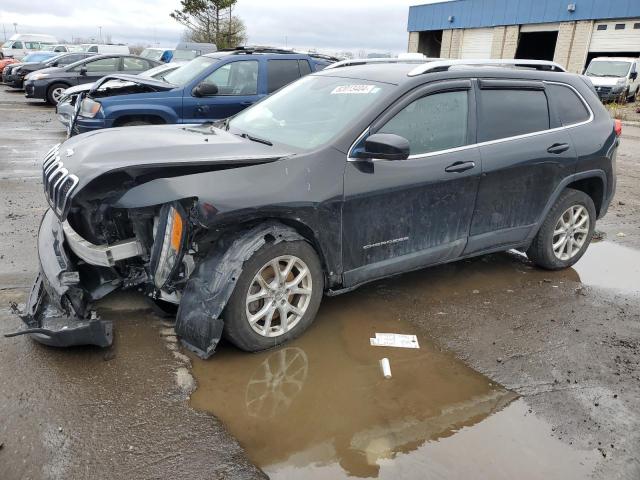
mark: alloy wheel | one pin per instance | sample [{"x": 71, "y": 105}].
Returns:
[
  {"x": 571, "y": 232},
  {"x": 56, "y": 94},
  {"x": 278, "y": 296}
]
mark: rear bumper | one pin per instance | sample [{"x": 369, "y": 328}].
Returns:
[{"x": 57, "y": 312}]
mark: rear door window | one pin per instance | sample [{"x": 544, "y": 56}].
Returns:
[
  {"x": 236, "y": 78},
  {"x": 102, "y": 65},
  {"x": 305, "y": 69},
  {"x": 569, "y": 107},
  {"x": 135, "y": 64},
  {"x": 432, "y": 123},
  {"x": 507, "y": 113},
  {"x": 280, "y": 73}
]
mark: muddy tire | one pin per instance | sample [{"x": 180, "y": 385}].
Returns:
[
  {"x": 269, "y": 308},
  {"x": 565, "y": 233},
  {"x": 55, "y": 91}
]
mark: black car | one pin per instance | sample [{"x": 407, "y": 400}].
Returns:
[
  {"x": 49, "y": 83},
  {"x": 343, "y": 177},
  {"x": 16, "y": 74}
]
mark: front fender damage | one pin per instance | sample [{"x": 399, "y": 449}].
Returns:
[{"x": 198, "y": 323}]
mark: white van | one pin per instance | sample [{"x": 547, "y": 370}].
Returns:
[
  {"x": 105, "y": 48},
  {"x": 20, "y": 44},
  {"x": 615, "y": 78}
]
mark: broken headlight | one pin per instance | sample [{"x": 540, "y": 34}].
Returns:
[
  {"x": 169, "y": 244},
  {"x": 89, "y": 108}
]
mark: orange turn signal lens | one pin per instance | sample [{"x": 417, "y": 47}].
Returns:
[{"x": 176, "y": 231}]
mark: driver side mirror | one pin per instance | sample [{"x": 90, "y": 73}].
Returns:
[
  {"x": 205, "y": 90},
  {"x": 386, "y": 146},
  {"x": 83, "y": 70},
  {"x": 633, "y": 75}
]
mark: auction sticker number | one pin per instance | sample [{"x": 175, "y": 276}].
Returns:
[{"x": 353, "y": 89}]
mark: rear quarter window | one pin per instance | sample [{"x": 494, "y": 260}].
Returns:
[
  {"x": 510, "y": 112},
  {"x": 280, "y": 73},
  {"x": 571, "y": 109}
]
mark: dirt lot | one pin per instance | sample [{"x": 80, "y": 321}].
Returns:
[{"x": 520, "y": 373}]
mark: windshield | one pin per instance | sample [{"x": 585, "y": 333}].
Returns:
[
  {"x": 184, "y": 55},
  {"x": 152, "y": 53},
  {"x": 611, "y": 68},
  {"x": 7, "y": 44},
  {"x": 309, "y": 112},
  {"x": 188, "y": 72},
  {"x": 37, "y": 57}
]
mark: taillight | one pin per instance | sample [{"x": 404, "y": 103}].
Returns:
[{"x": 617, "y": 127}]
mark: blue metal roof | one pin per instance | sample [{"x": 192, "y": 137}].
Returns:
[{"x": 489, "y": 13}]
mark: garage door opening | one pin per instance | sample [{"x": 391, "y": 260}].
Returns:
[
  {"x": 430, "y": 43},
  {"x": 537, "y": 45}
]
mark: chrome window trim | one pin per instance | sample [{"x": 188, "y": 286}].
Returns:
[{"x": 488, "y": 142}]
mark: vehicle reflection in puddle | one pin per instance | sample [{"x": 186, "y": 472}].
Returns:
[{"x": 319, "y": 407}]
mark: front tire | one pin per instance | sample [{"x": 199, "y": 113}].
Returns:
[
  {"x": 276, "y": 297},
  {"x": 55, "y": 91},
  {"x": 565, "y": 233}
]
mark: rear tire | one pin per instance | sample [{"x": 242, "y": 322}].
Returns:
[
  {"x": 244, "y": 326},
  {"x": 573, "y": 216},
  {"x": 54, "y": 92}
]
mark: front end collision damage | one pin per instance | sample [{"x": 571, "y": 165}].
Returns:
[
  {"x": 207, "y": 291},
  {"x": 58, "y": 309}
]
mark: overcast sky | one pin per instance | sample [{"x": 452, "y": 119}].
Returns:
[{"x": 372, "y": 25}]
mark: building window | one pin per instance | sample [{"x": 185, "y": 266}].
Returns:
[
  {"x": 602, "y": 27},
  {"x": 636, "y": 26},
  {"x": 620, "y": 26}
]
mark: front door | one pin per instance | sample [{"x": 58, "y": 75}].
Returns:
[
  {"x": 237, "y": 83},
  {"x": 96, "y": 69},
  {"x": 404, "y": 214}
]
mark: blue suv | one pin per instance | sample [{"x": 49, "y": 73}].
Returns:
[{"x": 210, "y": 87}]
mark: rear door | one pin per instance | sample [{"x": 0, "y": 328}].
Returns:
[
  {"x": 134, "y": 66},
  {"x": 237, "y": 83},
  {"x": 281, "y": 72},
  {"x": 526, "y": 153},
  {"x": 404, "y": 214}
]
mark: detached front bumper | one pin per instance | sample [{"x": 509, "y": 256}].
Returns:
[{"x": 57, "y": 312}]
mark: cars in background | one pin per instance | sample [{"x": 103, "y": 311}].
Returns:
[
  {"x": 61, "y": 48},
  {"x": 49, "y": 83},
  {"x": 186, "y": 51},
  {"x": 21, "y": 44},
  {"x": 158, "y": 54},
  {"x": 65, "y": 108},
  {"x": 105, "y": 48},
  {"x": 4, "y": 62},
  {"x": 17, "y": 73},
  {"x": 210, "y": 87},
  {"x": 35, "y": 57},
  {"x": 615, "y": 78}
]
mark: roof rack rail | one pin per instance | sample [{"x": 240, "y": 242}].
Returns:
[
  {"x": 323, "y": 56},
  {"x": 255, "y": 49},
  {"x": 367, "y": 61},
  {"x": 443, "y": 65}
]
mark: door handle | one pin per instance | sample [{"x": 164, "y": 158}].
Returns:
[
  {"x": 458, "y": 167},
  {"x": 246, "y": 103},
  {"x": 558, "y": 148}
]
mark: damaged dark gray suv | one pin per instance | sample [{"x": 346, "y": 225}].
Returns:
[{"x": 348, "y": 175}]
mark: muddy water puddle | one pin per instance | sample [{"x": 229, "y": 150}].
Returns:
[
  {"x": 609, "y": 265},
  {"x": 319, "y": 406}
]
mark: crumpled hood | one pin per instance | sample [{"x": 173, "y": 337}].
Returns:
[{"x": 93, "y": 154}]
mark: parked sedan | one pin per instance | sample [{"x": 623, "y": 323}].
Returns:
[
  {"x": 17, "y": 73},
  {"x": 31, "y": 58},
  {"x": 50, "y": 83},
  {"x": 66, "y": 105}
]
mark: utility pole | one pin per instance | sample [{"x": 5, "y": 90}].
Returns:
[
  {"x": 15, "y": 27},
  {"x": 99, "y": 34}
]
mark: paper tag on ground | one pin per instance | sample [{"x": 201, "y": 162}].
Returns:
[
  {"x": 394, "y": 340},
  {"x": 353, "y": 89}
]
